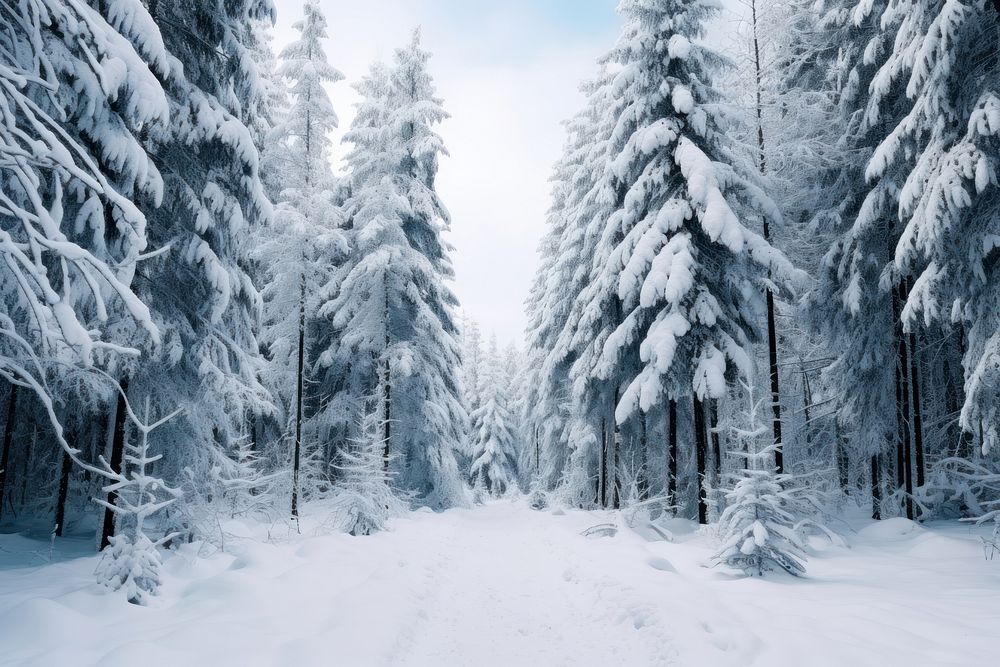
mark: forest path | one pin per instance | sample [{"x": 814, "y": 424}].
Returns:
[
  {"x": 520, "y": 588},
  {"x": 502, "y": 585}
]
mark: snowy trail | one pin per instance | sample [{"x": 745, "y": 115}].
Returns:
[
  {"x": 508, "y": 592},
  {"x": 503, "y": 585}
]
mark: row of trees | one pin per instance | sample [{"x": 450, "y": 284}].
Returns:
[
  {"x": 819, "y": 220},
  {"x": 173, "y": 236}
]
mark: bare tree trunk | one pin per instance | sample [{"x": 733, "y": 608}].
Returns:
[
  {"x": 876, "y": 489},
  {"x": 841, "y": 458},
  {"x": 8, "y": 437},
  {"x": 603, "y": 475},
  {"x": 672, "y": 452},
  {"x": 616, "y": 443},
  {"x": 67, "y": 465},
  {"x": 117, "y": 450},
  {"x": 713, "y": 419},
  {"x": 386, "y": 391},
  {"x": 772, "y": 334},
  {"x": 904, "y": 396},
  {"x": 918, "y": 424},
  {"x": 643, "y": 461},
  {"x": 299, "y": 383},
  {"x": 701, "y": 450}
]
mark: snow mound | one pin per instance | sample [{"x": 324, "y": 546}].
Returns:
[{"x": 890, "y": 529}]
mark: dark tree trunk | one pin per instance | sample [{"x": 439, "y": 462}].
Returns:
[
  {"x": 67, "y": 466},
  {"x": 772, "y": 333},
  {"x": 672, "y": 452},
  {"x": 904, "y": 408},
  {"x": 643, "y": 461},
  {"x": 299, "y": 382},
  {"x": 538, "y": 454},
  {"x": 876, "y": 489},
  {"x": 842, "y": 460},
  {"x": 603, "y": 474},
  {"x": 117, "y": 450},
  {"x": 701, "y": 450},
  {"x": 806, "y": 406},
  {"x": 8, "y": 437},
  {"x": 387, "y": 393},
  {"x": 713, "y": 417},
  {"x": 616, "y": 443},
  {"x": 918, "y": 424}
]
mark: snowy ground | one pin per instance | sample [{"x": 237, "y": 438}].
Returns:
[{"x": 505, "y": 585}]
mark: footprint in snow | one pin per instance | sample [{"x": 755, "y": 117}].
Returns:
[{"x": 662, "y": 564}]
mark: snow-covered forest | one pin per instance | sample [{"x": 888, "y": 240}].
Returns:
[{"x": 760, "y": 377}]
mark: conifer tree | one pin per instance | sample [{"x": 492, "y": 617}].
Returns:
[
  {"x": 304, "y": 240},
  {"x": 494, "y": 439},
  {"x": 391, "y": 310}
]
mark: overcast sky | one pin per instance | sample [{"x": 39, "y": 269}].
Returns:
[{"x": 509, "y": 72}]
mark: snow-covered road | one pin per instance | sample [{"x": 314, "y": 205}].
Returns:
[{"x": 504, "y": 585}]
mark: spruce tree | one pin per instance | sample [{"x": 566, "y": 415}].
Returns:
[{"x": 392, "y": 313}]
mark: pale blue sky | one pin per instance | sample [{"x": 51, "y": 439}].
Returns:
[{"x": 509, "y": 72}]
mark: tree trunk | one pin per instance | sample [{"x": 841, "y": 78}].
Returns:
[
  {"x": 67, "y": 466},
  {"x": 772, "y": 334},
  {"x": 701, "y": 447},
  {"x": 904, "y": 408},
  {"x": 616, "y": 443},
  {"x": 672, "y": 453},
  {"x": 603, "y": 474},
  {"x": 117, "y": 450},
  {"x": 299, "y": 382},
  {"x": 643, "y": 461},
  {"x": 841, "y": 456},
  {"x": 918, "y": 424},
  {"x": 8, "y": 437},
  {"x": 386, "y": 390},
  {"x": 538, "y": 454},
  {"x": 713, "y": 418},
  {"x": 876, "y": 489},
  {"x": 806, "y": 406}
]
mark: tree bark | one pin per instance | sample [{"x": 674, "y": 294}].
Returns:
[
  {"x": 918, "y": 424},
  {"x": 616, "y": 443},
  {"x": 299, "y": 382},
  {"x": 672, "y": 452},
  {"x": 386, "y": 391},
  {"x": 603, "y": 475},
  {"x": 67, "y": 466},
  {"x": 643, "y": 461},
  {"x": 117, "y": 451},
  {"x": 841, "y": 458},
  {"x": 876, "y": 489},
  {"x": 701, "y": 447},
  {"x": 8, "y": 437},
  {"x": 904, "y": 397},
  {"x": 772, "y": 334},
  {"x": 713, "y": 419}
]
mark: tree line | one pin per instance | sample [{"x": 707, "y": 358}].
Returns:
[
  {"x": 201, "y": 319},
  {"x": 807, "y": 231}
]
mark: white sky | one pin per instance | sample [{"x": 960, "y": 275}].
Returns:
[{"x": 508, "y": 71}]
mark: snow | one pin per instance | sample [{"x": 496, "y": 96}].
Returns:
[{"x": 505, "y": 585}]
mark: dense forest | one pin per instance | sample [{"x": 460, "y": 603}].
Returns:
[{"x": 768, "y": 286}]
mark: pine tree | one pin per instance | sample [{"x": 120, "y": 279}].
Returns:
[
  {"x": 199, "y": 288},
  {"x": 131, "y": 561},
  {"x": 365, "y": 500},
  {"x": 682, "y": 323},
  {"x": 393, "y": 328},
  {"x": 80, "y": 88},
  {"x": 943, "y": 153},
  {"x": 304, "y": 241},
  {"x": 757, "y": 527},
  {"x": 494, "y": 439}
]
